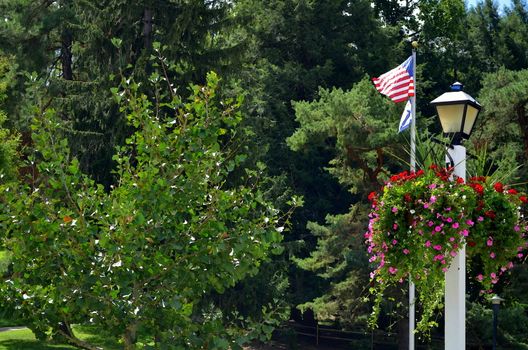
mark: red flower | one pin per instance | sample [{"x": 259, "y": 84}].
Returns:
[
  {"x": 512, "y": 191},
  {"x": 523, "y": 199},
  {"x": 420, "y": 172},
  {"x": 372, "y": 196},
  {"x": 477, "y": 179},
  {"x": 498, "y": 187},
  {"x": 490, "y": 214},
  {"x": 459, "y": 180},
  {"x": 471, "y": 243},
  {"x": 407, "y": 197},
  {"x": 478, "y": 188}
]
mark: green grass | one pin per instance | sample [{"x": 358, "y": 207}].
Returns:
[{"x": 23, "y": 339}]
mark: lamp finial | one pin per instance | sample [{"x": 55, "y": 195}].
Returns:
[{"x": 457, "y": 86}]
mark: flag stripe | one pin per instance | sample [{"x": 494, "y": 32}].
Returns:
[{"x": 398, "y": 83}]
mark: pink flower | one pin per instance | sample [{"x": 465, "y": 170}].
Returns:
[
  {"x": 516, "y": 228},
  {"x": 394, "y": 209},
  {"x": 470, "y": 222},
  {"x": 437, "y": 247},
  {"x": 480, "y": 277},
  {"x": 406, "y": 251},
  {"x": 510, "y": 265},
  {"x": 493, "y": 275},
  {"x": 428, "y": 244},
  {"x": 394, "y": 242},
  {"x": 392, "y": 270},
  {"x": 455, "y": 225},
  {"x": 453, "y": 253},
  {"x": 480, "y": 219},
  {"x": 444, "y": 269},
  {"x": 443, "y": 262},
  {"x": 432, "y": 186},
  {"x": 432, "y": 199},
  {"x": 430, "y": 223},
  {"x": 451, "y": 239},
  {"x": 520, "y": 255},
  {"x": 492, "y": 255},
  {"x": 464, "y": 233},
  {"x": 438, "y": 229},
  {"x": 449, "y": 220},
  {"x": 426, "y": 205},
  {"x": 395, "y": 226},
  {"x": 490, "y": 241}
]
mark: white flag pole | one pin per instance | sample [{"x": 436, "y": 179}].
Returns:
[{"x": 412, "y": 298}]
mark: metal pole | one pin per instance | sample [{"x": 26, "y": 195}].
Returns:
[
  {"x": 317, "y": 334},
  {"x": 495, "y": 317},
  {"x": 412, "y": 289},
  {"x": 455, "y": 277}
]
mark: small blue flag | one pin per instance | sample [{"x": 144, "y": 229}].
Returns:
[{"x": 406, "y": 117}]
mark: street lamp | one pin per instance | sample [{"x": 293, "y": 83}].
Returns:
[
  {"x": 495, "y": 301},
  {"x": 458, "y": 113}
]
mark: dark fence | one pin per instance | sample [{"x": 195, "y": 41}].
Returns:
[{"x": 331, "y": 337}]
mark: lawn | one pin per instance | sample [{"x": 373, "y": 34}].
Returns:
[{"x": 23, "y": 339}]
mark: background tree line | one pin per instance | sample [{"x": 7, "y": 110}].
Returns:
[{"x": 312, "y": 121}]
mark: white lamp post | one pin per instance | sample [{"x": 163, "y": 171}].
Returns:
[{"x": 458, "y": 113}]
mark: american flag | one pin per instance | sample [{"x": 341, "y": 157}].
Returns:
[{"x": 398, "y": 83}]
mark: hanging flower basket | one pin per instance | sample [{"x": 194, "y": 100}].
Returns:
[{"x": 420, "y": 221}]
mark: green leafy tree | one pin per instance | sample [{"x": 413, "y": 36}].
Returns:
[
  {"x": 139, "y": 260},
  {"x": 10, "y": 140}
]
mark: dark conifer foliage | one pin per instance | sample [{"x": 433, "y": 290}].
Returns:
[{"x": 69, "y": 45}]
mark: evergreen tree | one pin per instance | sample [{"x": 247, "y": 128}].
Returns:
[
  {"x": 76, "y": 50},
  {"x": 360, "y": 127},
  {"x": 293, "y": 47}
]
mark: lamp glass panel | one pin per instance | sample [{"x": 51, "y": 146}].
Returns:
[
  {"x": 471, "y": 117},
  {"x": 451, "y": 117}
]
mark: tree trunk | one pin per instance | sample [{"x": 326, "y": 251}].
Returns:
[
  {"x": 147, "y": 28},
  {"x": 64, "y": 329},
  {"x": 129, "y": 337},
  {"x": 66, "y": 54}
]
